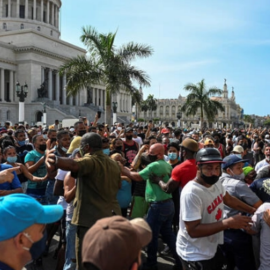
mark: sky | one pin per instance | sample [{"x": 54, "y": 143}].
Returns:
[{"x": 192, "y": 40}]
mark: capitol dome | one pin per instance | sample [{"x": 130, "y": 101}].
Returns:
[{"x": 39, "y": 15}]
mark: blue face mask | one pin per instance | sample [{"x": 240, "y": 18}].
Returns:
[
  {"x": 11, "y": 159},
  {"x": 21, "y": 143},
  {"x": 172, "y": 156},
  {"x": 106, "y": 151}
]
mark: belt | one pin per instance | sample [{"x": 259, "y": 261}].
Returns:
[{"x": 161, "y": 201}]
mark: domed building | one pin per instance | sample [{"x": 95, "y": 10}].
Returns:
[
  {"x": 167, "y": 110},
  {"x": 31, "y": 53}
]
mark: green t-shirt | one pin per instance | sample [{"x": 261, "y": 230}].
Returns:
[{"x": 153, "y": 192}]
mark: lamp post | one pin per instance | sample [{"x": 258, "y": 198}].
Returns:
[
  {"x": 22, "y": 92},
  {"x": 178, "y": 115},
  {"x": 114, "y": 111},
  {"x": 44, "y": 115}
]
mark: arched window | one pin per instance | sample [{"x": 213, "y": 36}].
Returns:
[
  {"x": 22, "y": 26},
  {"x": 39, "y": 116},
  {"x": 4, "y": 26},
  {"x": 167, "y": 110}
]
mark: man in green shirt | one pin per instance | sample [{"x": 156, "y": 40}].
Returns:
[{"x": 161, "y": 210}]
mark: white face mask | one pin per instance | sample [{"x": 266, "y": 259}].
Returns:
[
  {"x": 64, "y": 149},
  {"x": 238, "y": 176}
]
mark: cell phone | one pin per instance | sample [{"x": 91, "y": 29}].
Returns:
[
  {"x": 53, "y": 139},
  {"x": 99, "y": 114}
]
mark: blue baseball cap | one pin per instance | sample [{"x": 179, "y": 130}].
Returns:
[
  {"x": 20, "y": 211},
  {"x": 231, "y": 160}
]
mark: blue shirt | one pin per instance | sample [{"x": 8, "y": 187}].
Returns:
[
  {"x": 15, "y": 182},
  {"x": 4, "y": 266}
]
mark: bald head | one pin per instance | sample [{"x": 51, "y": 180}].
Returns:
[
  {"x": 93, "y": 140},
  {"x": 157, "y": 149}
]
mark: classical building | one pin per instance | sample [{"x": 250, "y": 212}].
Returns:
[
  {"x": 31, "y": 53},
  {"x": 167, "y": 112}
]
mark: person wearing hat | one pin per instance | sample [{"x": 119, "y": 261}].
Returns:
[
  {"x": 130, "y": 147},
  {"x": 115, "y": 243},
  {"x": 201, "y": 224},
  {"x": 161, "y": 210},
  {"x": 184, "y": 172},
  {"x": 22, "y": 229},
  {"x": 237, "y": 244},
  {"x": 208, "y": 143},
  {"x": 250, "y": 175}
]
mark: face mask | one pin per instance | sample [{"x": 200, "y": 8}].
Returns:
[
  {"x": 216, "y": 140},
  {"x": 39, "y": 133},
  {"x": 21, "y": 143},
  {"x": 210, "y": 180},
  {"x": 239, "y": 155},
  {"x": 37, "y": 248},
  {"x": 238, "y": 176},
  {"x": 129, "y": 137},
  {"x": 82, "y": 132},
  {"x": 135, "y": 133},
  {"x": 45, "y": 137},
  {"x": 152, "y": 158},
  {"x": 172, "y": 156},
  {"x": 118, "y": 148},
  {"x": 64, "y": 149},
  {"x": 106, "y": 151},
  {"x": 42, "y": 147},
  {"x": 119, "y": 128},
  {"x": 11, "y": 159}
]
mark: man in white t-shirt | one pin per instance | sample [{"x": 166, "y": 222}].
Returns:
[{"x": 201, "y": 224}]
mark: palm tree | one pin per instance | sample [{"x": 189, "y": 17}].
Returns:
[
  {"x": 200, "y": 99},
  {"x": 105, "y": 64},
  {"x": 152, "y": 104},
  {"x": 136, "y": 100}
]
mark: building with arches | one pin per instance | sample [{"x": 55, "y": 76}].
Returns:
[
  {"x": 167, "y": 112},
  {"x": 31, "y": 51}
]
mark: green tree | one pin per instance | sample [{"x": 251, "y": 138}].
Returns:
[
  {"x": 105, "y": 64},
  {"x": 248, "y": 118},
  {"x": 136, "y": 100},
  {"x": 151, "y": 104},
  {"x": 200, "y": 99}
]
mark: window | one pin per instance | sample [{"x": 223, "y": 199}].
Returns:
[
  {"x": 8, "y": 115},
  {"x": 22, "y": 11},
  {"x": 6, "y": 10},
  {"x": 4, "y": 26},
  {"x": 38, "y": 28},
  {"x": 51, "y": 32},
  {"x": 22, "y": 26}
]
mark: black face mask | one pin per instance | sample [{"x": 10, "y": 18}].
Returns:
[
  {"x": 210, "y": 180},
  {"x": 216, "y": 140},
  {"x": 152, "y": 158},
  {"x": 42, "y": 147},
  {"x": 82, "y": 132},
  {"x": 129, "y": 137},
  {"x": 118, "y": 148}
]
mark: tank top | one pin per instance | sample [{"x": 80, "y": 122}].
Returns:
[{"x": 220, "y": 149}]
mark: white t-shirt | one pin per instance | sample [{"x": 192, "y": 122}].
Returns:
[
  {"x": 261, "y": 164},
  {"x": 61, "y": 176},
  {"x": 198, "y": 202}
]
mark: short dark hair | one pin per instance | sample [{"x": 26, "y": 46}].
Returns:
[
  {"x": 34, "y": 139},
  {"x": 177, "y": 132},
  {"x": 17, "y": 132},
  {"x": 51, "y": 131},
  {"x": 91, "y": 128},
  {"x": 7, "y": 148},
  {"x": 175, "y": 145},
  {"x": 61, "y": 134},
  {"x": 94, "y": 141},
  {"x": 77, "y": 124}
]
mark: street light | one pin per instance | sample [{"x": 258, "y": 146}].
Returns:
[
  {"x": 115, "y": 104},
  {"x": 178, "y": 115},
  {"x": 22, "y": 92}
]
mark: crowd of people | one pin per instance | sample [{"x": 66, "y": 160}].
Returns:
[{"x": 110, "y": 191}]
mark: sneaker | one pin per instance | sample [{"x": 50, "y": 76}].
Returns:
[{"x": 165, "y": 251}]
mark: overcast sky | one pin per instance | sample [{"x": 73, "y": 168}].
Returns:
[{"x": 192, "y": 40}]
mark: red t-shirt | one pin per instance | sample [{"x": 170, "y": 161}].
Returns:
[{"x": 184, "y": 172}]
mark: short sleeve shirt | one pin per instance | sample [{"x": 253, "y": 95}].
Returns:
[
  {"x": 15, "y": 182},
  {"x": 35, "y": 156},
  {"x": 153, "y": 192},
  {"x": 261, "y": 188},
  {"x": 184, "y": 172}
]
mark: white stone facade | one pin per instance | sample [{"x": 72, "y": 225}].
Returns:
[{"x": 31, "y": 52}]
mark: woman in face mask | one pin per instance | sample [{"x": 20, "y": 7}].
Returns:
[
  {"x": 237, "y": 242},
  {"x": 10, "y": 155},
  {"x": 117, "y": 144}
]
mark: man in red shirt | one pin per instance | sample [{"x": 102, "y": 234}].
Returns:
[{"x": 184, "y": 172}]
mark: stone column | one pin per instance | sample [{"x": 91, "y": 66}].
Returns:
[
  {"x": 35, "y": 10},
  {"x": 57, "y": 88},
  {"x": 26, "y": 9},
  {"x": 48, "y": 12},
  {"x": 77, "y": 100},
  {"x": 3, "y": 85},
  {"x": 56, "y": 16},
  {"x": 53, "y": 14},
  {"x": 17, "y": 9},
  {"x": 71, "y": 100},
  {"x": 64, "y": 89},
  {"x": 41, "y": 10},
  {"x": 11, "y": 85},
  {"x": 50, "y": 84},
  {"x": 101, "y": 98},
  {"x": 94, "y": 95},
  {"x": 42, "y": 75},
  {"x": 1, "y": 9},
  {"x": 9, "y": 8}
]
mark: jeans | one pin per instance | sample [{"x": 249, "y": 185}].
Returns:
[
  {"x": 52, "y": 199},
  {"x": 70, "y": 246},
  {"x": 160, "y": 217}
]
